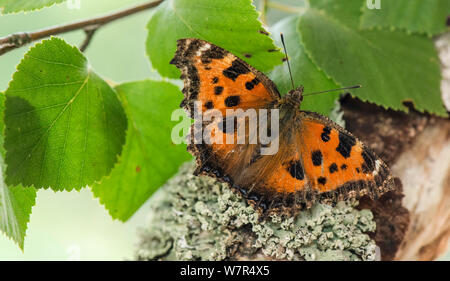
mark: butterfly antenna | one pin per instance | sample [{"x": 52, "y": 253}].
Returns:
[
  {"x": 340, "y": 89},
  {"x": 287, "y": 59}
]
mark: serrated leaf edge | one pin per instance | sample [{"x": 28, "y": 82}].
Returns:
[
  {"x": 2, "y": 8},
  {"x": 391, "y": 27},
  {"x": 260, "y": 26},
  {"x": 88, "y": 71},
  {"x": 120, "y": 157},
  {"x": 337, "y": 22}
]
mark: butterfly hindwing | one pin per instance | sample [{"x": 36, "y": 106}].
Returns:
[
  {"x": 318, "y": 161},
  {"x": 337, "y": 163}
]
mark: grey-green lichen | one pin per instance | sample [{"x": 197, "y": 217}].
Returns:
[{"x": 199, "y": 218}]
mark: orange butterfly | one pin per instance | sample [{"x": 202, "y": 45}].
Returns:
[{"x": 317, "y": 160}]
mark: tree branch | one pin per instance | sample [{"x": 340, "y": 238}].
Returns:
[{"x": 18, "y": 40}]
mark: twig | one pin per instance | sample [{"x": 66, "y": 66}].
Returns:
[
  {"x": 18, "y": 40},
  {"x": 89, "y": 31}
]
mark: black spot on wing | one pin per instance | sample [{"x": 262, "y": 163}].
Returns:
[
  {"x": 316, "y": 157},
  {"x": 344, "y": 167},
  {"x": 333, "y": 168},
  {"x": 296, "y": 170},
  {"x": 237, "y": 68},
  {"x": 346, "y": 143},
  {"x": 322, "y": 180},
  {"x": 215, "y": 80},
  {"x": 326, "y": 134},
  {"x": 232, "y": 101},
  {"x": 218, "y": 90},
  {"x": 213, "y": 52},
  {"x": 209, "y": 105},
  {"x": 251, "y": 84}
]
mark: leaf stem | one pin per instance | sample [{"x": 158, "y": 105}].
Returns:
[
  {"x": 18, "y": 40},
  {"x": 89, "y": 31}
]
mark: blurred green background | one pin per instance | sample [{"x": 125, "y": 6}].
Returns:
[{"x": 73, "y": 225}]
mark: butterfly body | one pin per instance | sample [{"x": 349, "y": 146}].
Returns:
[{"x": 316, "y": 160}]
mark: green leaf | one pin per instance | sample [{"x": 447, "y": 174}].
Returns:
[
  {"x": 348, "y": 13},
  {"x": 12, "y": 6},
  {"x": 304, "y": 72},
  {"x": 232, "y": 25},
  {"x": 392, "y": 67},
  {"x": 15, "y": 209},
  {"x": 149, "y": 157},
  {"x": 16, "y": 201},
  {"x": 64, "y": 125},
  {"x": 412, "y": 15}
]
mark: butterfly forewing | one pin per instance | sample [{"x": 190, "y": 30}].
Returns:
[{"x": 219, "y": 79}]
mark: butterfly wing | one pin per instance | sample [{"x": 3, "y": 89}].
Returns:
[
  {"x": 334, "y": 158},
  {"x": 323, "y": 163},
  {"x": 219, "y": 79}
]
